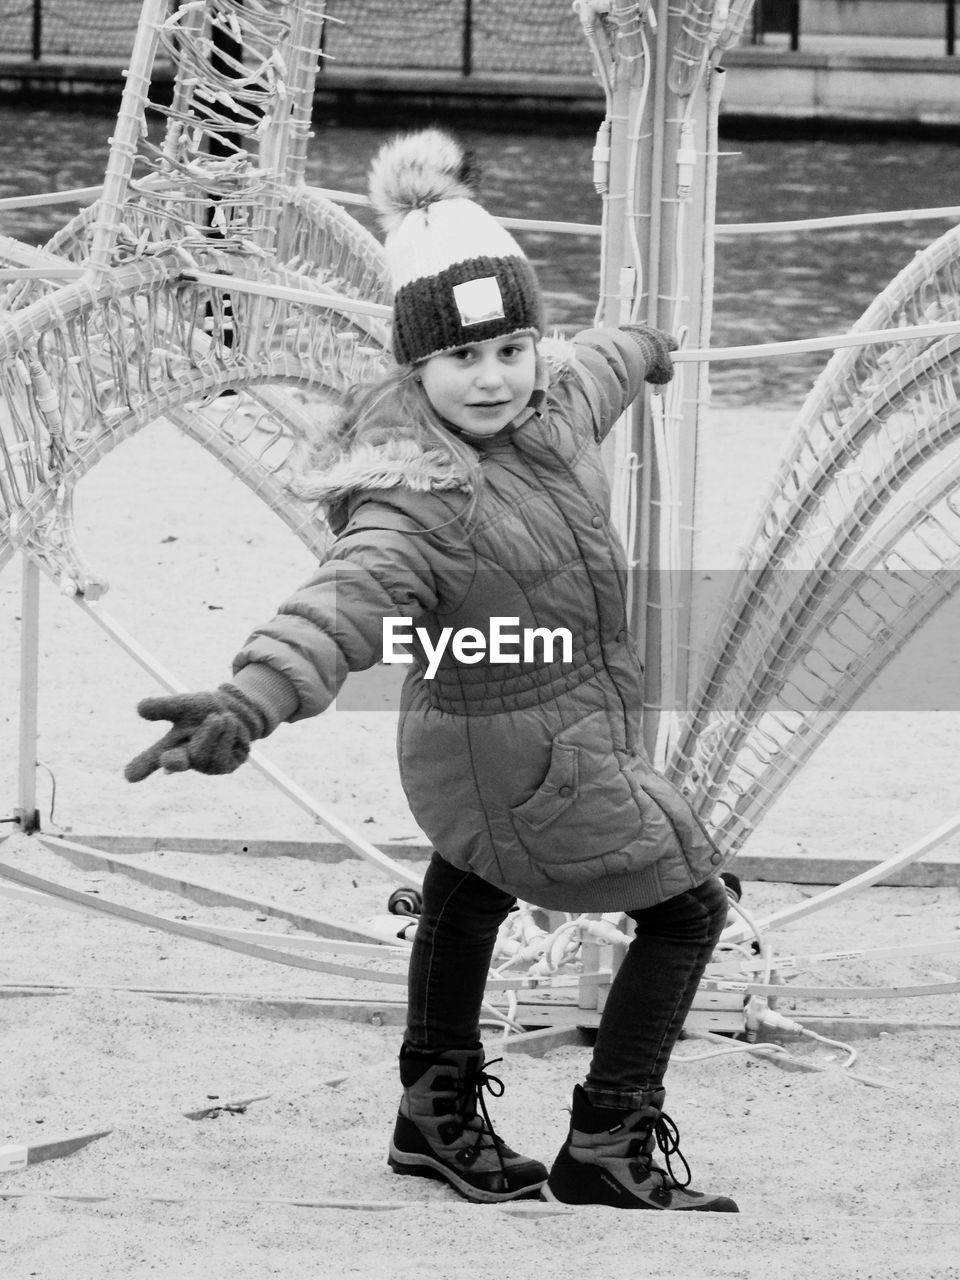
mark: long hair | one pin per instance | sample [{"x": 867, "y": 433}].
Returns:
[{"x": 388, "y": 431}]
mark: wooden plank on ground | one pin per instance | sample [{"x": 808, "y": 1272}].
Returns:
[
  {"x": 938, "y": 871},
  {"x": 82, "y": 855}
]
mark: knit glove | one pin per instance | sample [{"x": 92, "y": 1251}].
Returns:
[
  {"x": 655, "y": 346},
  {"x": 211, "y": 732}
]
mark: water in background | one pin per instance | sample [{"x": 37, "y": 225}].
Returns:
[{"x": 767, "y": 288}]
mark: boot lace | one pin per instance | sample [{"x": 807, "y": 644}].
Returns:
[
  {"x": 667, "y": 1137},
  {"x": 470, "y": 1097}
]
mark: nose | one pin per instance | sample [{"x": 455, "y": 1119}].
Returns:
[{"x": 488, "y": 372}]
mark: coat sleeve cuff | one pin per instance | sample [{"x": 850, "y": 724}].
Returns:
[{"x": 273, "y": 694}]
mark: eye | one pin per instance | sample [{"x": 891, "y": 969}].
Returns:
[{"x": 516, "y": 348}]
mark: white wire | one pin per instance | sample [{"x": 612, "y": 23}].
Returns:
[
  {"x": 504, "y": 1020},
  {"x": 585, "y": 11},
  {"x": 666, "y": 413},
  {"x": 664, "y": 447},
  {"x": 633, "y": 135},
  {"x": 778, "y": 1051},
  {"x": 80, "y": 194},
  {"x": 841, "y": 220},
  {"x": 766, "y": 951},
  {"x": 728, "y": 1050},
  {"x": 626, "y": 461},
  {"x": 828, "y": 342},
  {"x": 583, "y": 8}
]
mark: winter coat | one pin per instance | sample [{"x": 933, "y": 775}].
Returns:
[{"x": 532, "y": 774}]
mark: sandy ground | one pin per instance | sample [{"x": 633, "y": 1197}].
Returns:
[{"x": 835, "y": 1176}]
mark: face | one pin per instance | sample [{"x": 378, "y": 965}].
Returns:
[{"x": 482, "y": 387}]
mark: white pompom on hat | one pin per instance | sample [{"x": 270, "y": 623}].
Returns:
[{"x": 458, "y": 276}]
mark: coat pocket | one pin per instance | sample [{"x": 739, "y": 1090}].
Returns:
[
  {"x": 585, "y": 805},
  {"x": 557, "y": 792}
]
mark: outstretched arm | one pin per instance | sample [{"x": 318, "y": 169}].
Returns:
[
  {"x": 386, "y": 563},
  {"x": 613, "y": 365}
]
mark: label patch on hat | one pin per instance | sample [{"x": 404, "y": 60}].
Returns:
[{"x": 479, "y": 300}]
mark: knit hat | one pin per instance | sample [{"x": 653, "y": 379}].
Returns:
[{"x": 457, "y": 275}]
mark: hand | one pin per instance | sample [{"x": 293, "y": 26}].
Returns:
[
  {"x": 656, "y": 347},
  {"x": 210, "y": 732}
]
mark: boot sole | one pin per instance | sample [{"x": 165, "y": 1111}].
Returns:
[
  {"x": 422, "y": 1166},
  {"x": 714, "y": 1207}
]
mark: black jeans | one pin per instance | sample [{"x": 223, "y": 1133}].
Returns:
[{"x": 646, "y": 1006}]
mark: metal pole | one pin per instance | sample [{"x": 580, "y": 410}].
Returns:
[
  {"x": 466, "y": 59},
  {"x": 756, "y": 25},
  {"x": 951, "y": 28},
  {"x": 26, "y": 812},
  {"x": 36, "y": 32}
]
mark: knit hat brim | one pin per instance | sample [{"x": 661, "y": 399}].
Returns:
[{"x": 469, "y": 301}]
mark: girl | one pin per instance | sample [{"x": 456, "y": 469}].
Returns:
[{"x": 466, "y": 489}]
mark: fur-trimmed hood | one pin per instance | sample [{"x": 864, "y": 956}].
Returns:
[{"x": 401, "y": 462}]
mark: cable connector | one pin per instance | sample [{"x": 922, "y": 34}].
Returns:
[
  {"x": 718, "y": 19},
  {"x": 627, "y": 283},
  {"x": 605, "y": 931},
  {"x": 390, "y": 928},
  {"x": 686, "y": 160},
  {"x": 770, "y": 1019},
  {"x": 601, "y": 159}
]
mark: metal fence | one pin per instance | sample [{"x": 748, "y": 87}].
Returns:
[
  {"x": 68, "y": 28},
  {"x": 886, "y": 20},
  {"x": 537, "y": 37}
]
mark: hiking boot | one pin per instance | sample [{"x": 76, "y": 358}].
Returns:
[
  {"x": 443, "y": 1130},
  {"x": 608, "y": 1158}
]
